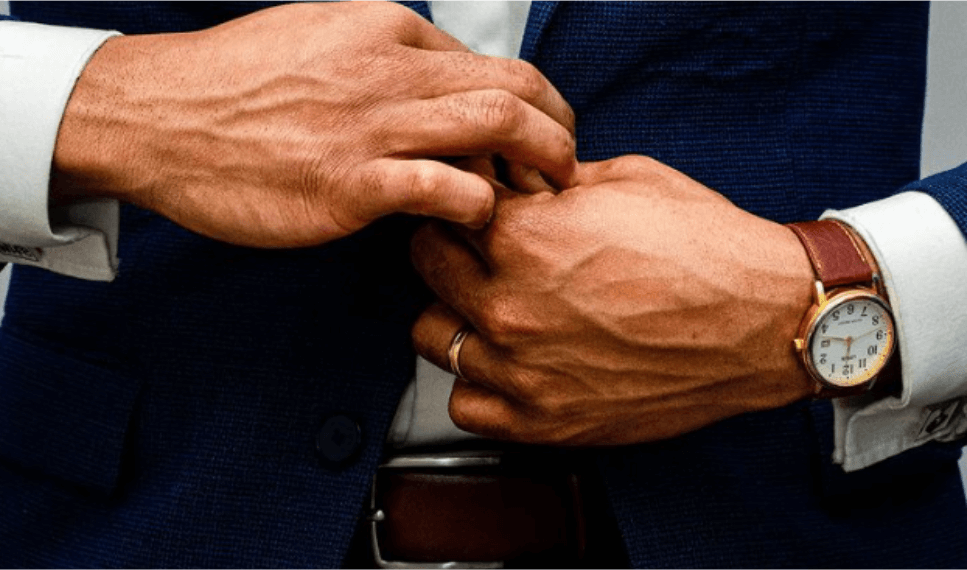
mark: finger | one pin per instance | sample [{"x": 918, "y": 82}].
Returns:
[
  {"x": 450, "y": 267},
  {"x": 478, "y": 237},
  {"x": 527, "y": 180},
  {"x": 484, "y": 122},
  {"x": 481, "y": 165},
  {"x": 433, "y": 334},
  {"x": 475, "y": 408},
  {"x": 423, "y": 187},
  {"x": 459, "y": 72}
]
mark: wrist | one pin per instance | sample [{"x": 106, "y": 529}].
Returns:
[
  {"x": 791, "y": 382},
  {"x": 96, "y": 155},
  {"x": 778, "y": 292}
]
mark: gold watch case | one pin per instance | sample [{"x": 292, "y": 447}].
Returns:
[{"x": 819, "y": 312}]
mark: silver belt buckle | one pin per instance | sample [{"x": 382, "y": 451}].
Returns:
[{"x": 451, "y": 460}]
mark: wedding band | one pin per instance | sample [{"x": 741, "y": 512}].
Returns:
[{"x": 454, "y": 352}]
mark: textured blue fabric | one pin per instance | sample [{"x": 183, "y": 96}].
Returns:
[{"x": 167, "y": 419}]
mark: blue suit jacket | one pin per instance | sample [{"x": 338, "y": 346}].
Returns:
[{"x": 170, "y": 418}]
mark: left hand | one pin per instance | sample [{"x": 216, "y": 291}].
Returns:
[{"x": 637, "y": 306}]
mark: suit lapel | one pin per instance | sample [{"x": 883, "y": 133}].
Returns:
[{"x": 537, "y": 21}]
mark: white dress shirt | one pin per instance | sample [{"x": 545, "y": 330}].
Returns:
[
  {"x": 39, "y": 65},
  {"x": 922, "y": 254}
]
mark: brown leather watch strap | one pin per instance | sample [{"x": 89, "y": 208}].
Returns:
[
  {"x": 840, "y": 260},
  {"x": 834, "y": 253}
]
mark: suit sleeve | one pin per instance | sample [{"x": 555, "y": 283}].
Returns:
[
  {"x": 39, "y": 66},
  {"x": 918, "y": 239}
]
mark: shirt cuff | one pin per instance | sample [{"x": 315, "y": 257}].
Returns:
[
  {"x": 39, "y": 66},
  {"x": 923, "y": 261}
]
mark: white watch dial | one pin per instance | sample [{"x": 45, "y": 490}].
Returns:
[{"x": 851, "y": 341}]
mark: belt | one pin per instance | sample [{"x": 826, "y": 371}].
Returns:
[{"x": 476, "y": 509}]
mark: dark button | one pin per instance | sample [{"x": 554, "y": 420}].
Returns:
[{"x": 338, "y": 440}]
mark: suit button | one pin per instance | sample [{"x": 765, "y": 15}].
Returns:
[{"x": 338, "y": 440}]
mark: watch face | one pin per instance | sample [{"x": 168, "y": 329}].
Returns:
[{"x": 851, "y": 340}]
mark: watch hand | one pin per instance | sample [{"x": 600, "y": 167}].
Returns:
[{"x": 871, "y": 331}]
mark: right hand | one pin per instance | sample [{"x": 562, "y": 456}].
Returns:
[{"x": 301, "y": 124}]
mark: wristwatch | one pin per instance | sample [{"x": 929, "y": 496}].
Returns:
[{"x": 848, "y": 335}]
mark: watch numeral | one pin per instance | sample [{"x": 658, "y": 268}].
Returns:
[
  {"x": 863, "y": 314},
  {"x": 879, "y": 335},
  {"x": 824, "y": 344},
  {"x": 836, "y": 316},
  {"x": 850, "y": 309},
  {"x": 825, "y": 328},
  {"x": 876, "y": 320},
  {"x": 872, "y": 349},
  {"x": 822, "y": 358},
  {"x": 862, "y": 363}
]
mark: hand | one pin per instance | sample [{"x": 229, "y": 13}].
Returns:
[
  {"x": 300, "y": 124},
  {"x": 637, "y": 306}
]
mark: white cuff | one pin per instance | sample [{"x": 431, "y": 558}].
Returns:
[
  {"x": 923, "y": 260},
  {"x": 39, "y": 66}
]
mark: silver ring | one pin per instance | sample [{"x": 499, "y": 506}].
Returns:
[{"x": 453, "y": 353}]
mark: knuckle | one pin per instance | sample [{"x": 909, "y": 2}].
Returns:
[
  {"x": 500, "y": 112},
  {"x": 406, "y": 20},
  {"x": 418, "y": 185},
  {"x": 418, "y": 177},
  {"x": 531, "y": 84},
  {"x": 389, "y": 12},
  {"x": 553, "y": 408},
  {"x": 530, "y": 389},
  {"x": 390, "y": 23},
  {"x": 317, "y": 184},
  {"x": 633, "y": 163},
  {"x": 500, "y": 319},
  {"x": 563, "y": 146},
  {"x": 647, "y": 165},
  {"x": 626, "y": 166}
]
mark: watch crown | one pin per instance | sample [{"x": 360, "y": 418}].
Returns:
[{"x": 798, "y": 343}]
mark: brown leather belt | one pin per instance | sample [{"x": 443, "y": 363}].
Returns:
[{"x": 476, "y": 509}]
